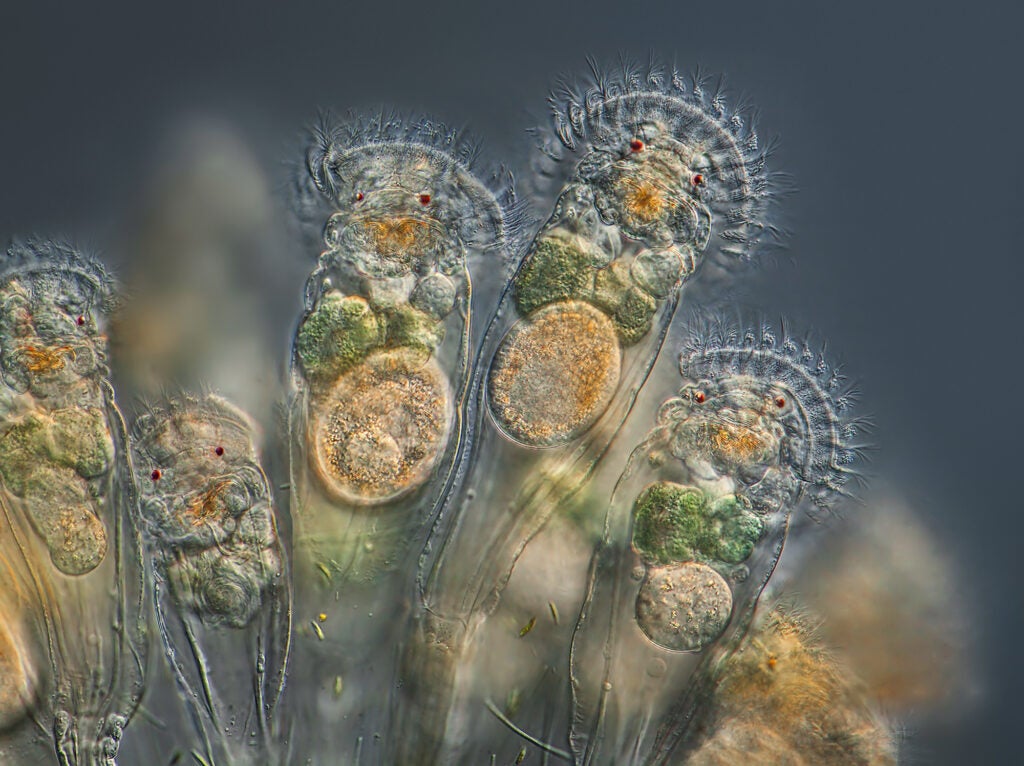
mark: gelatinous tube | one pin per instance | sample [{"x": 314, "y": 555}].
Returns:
[
  {"x": 696, "y": 524},
  {"x": 73, "y": 640},
  {"x": 380, "y": 369},
  {"x": 19, "y": 660},
  {"x": 222, "y": 594},
  {"x": 653, "y": 176}
]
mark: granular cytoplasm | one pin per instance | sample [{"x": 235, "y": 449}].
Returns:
[
  {"x": 683, "y": 606},
  {"x": 555, "y": 373},
  {"x": 382, "y": 428}
]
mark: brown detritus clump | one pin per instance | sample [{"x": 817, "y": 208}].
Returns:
[
  {"x": 783, "y": 696},
  {"x": 893, "y": 605}
]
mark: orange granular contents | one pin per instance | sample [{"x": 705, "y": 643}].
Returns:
[
  {"x": 206, "y": 506},
  {"x": 742, "y": 444},
  {"x": 555, "y": 373},
  {"x": 45, "y": 359},
  {"x": 644, "y": 200},
  {"x": 398, "y": 236}
]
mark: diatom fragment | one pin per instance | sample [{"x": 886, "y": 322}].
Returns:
[{"x": 73, "y": 643}]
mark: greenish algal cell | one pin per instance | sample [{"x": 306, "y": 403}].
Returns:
[
  {"x": 19, "y": 451},
  {"x": 736, "y": 528},
  {"x": 79, "y": 439},
  {"x": 408, "y": 327},
  {"x": 339, "y": 334},
  {"x": 610, "y": 287},
  {"x": 668, "y": 522},
  {"x": 558, "y": 269},
  {"x": 673, "y": 523},
  {"x": 633, "y": 318}
]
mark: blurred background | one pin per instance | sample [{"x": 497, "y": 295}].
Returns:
[{"x": 175, "y": 131}]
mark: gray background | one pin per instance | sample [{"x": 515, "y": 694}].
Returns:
[{"x": 899, "y": 127}]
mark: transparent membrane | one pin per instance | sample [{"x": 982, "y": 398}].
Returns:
[{"x": 505, "y": 532}]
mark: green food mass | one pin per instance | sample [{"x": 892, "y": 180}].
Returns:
[
  {"x": 19, "y": 451},
  {"x": 408, "y": 327},
  {"x": 610, "y": 287},
  {"x": 79, "y": 439},
  {"x": 558, "y": 269},
  {"x": 337, "y": 335},
  {"x": 674, "y": 523},
  {"x": 737, "y": 530},
  {"x": 633, "y": 318}
]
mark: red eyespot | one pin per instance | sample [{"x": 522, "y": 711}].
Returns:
[
  {"x": 698, "y": 179},
  {"x": 424, "y": 199},
  {"x": 636, "y": 145},
  {"x": 780, "y": 401},
  {"x": 155, "y": 476},
  {"x": 219, "y": 451},
  {"x": 81, "y": 320},
  {"x": 699, "y": 397},
  {"x": 359, "y": 196}
]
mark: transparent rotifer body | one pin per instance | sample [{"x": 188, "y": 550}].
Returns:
[
  {"x": 220, "y": 579},
  {"x": 73, "y": 603},
  {"x": 695, "y": 528},
  {"x": 649, "y": 179},
  {"x": 414, "y": 250}
]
